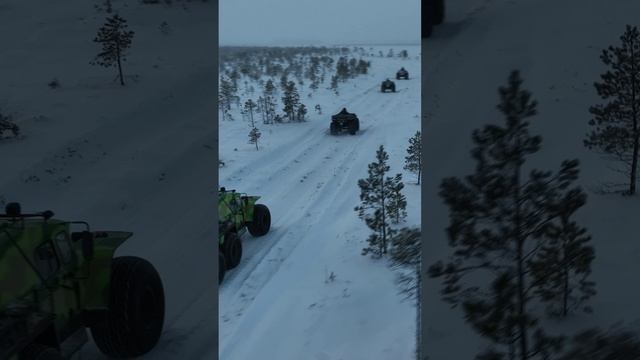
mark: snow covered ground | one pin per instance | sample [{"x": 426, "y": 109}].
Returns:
[
  {"x": 556, "y": 45},
  {"x": 138, "y": 158},
  {"x": 278, "y": 303}
]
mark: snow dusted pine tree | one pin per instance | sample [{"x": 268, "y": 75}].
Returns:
[
  {"x": 376, "y": 196},
  {"x": 226, "y": 96},
  {"x": 115, "y": 40},
  {"x": 291, "y": 101},
  {"x": 342, "y": 69},
  {"x": 334, "y": 84},
  {"x": 254, "y": 134},
  {"x": 302, "y": 112},
  {"x": 405, "y": 253},
  {"x": 498, "y": 222},
  {"x": 561, "y": 268},
  {"x": 269, "y": 101},
  {"x": 397, "y": 201},
  {"x": 413, "y": 161},
  {"x": 616, "y": 126}
]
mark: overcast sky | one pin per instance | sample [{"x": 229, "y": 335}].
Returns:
[{"x": 318, "y": 22}]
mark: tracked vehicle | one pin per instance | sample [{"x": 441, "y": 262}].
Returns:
[
  {"x": 237, "y": 213},
  {"x": 57, "y": 282}
]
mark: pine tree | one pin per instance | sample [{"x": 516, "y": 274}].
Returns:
[
  {"x": 234, "y": 76},
  {"x": 226, "y": 95},
  {"x": 498, "y": 222},
  {"x": 115, "y": 40},
  {"x": 562, "y": 266},
  {"x": 314, "y": 73},
  {"x": 334, "y": 84},
  {"x": 254, "y": 134},
  {"x": 616, "y": 125},
  {"x": 7, "y": 125},
  {"x": 269, "y": 102},
  {"x": 413, "y": 161},
  {"x": 405, "y": 253},
  {"x": 375, "y": 194},
  {"x": 249, "y": 108},
  {"x": 284, "y": 82},
  {"x": 342, "y": 69},
  {"x": 318, "y": 109},
  {"x": 362, "y": 67},
  {"x": 302, "y": 112},
  {"x": 596, "y": 344},
  {"x": 291, "y": 100},
  {"x": 397, "y": 201}
]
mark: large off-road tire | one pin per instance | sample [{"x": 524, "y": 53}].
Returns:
[
  {"x": 40, "y": 352},
  {"x": 222, "y": 267},
  {"x": 232, "y": 250},
  {"x": 438, "y": 12},
  {"x": 261, "y": 221},
  {"x": 135, "y": 318}
]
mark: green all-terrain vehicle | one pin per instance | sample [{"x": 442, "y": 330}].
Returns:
[
  {"x": 236, "y": 214},
  {"x": 56, "y": 282}
]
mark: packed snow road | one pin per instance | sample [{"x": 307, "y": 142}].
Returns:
[{"x": 276, "y": 303}]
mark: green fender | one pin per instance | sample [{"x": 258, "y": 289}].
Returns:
[{"x": 95, "y": 292}]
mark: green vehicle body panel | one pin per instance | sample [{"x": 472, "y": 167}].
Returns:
[
  {"x": 57, "y": 288},
  {"x": 235, "y": 210}
]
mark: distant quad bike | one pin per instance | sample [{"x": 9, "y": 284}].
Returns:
[
  {"x": 56, "y": 283},
  {"x": 236, "y": 214},
  {"x": 402, "y": 74},
  {"x": 388, "y": 85},
  {"x": 433, "y": 14},
  {"x": 344, "y": 121}
]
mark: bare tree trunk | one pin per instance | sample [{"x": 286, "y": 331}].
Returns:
[
  {"x": 119, "y": 64},
  {"x": 636, "y": 134},
  {"x": 522, "y": 324}
]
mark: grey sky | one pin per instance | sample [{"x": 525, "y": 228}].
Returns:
[{"x": 318, "y": 22}]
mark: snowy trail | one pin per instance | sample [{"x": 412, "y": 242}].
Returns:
[
  {"x": 311, "y": 191},
  {"x": 556, "y": 47}
]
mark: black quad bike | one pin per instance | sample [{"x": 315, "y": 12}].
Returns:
[
  {"x": 402, "y": 74},
  {"x": 388, "y": 85},
  {"x": 344, "y": 121}
]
